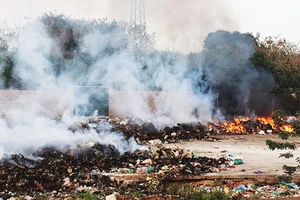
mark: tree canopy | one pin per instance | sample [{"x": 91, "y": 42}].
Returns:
[{"x": 282, "y": 59}]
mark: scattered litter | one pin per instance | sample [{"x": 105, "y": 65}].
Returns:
[
  {"x": 238, "y": 160},
  {"x": 289, "y": 185},
  {"x": 258, "y": 172},
  {"x": 94, "y": 163}
]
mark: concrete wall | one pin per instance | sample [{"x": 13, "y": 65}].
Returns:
[
  {"x": 51, "y": 103},
  {"x": 54, "y": 103}
]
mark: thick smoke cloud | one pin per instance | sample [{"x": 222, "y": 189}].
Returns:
[
  {"x": 32, "y": 63},
  {"x": 50, "y": 66},
  {"x": 28, "y": 117},
  {"x": 232, "y": 77},
  {"x": 160, "y": 87},
  {"x": 150, "y": 70}
]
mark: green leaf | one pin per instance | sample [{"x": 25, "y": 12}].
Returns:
[{"x": 284, "y": 135}]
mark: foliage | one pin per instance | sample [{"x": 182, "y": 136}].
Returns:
[
  {"x": 7, "y": 77},
  {"x": 72, "y": 58},
  {"x": 296, "y": 128},
  {"x": 278, "y": 145},
  {"x": 284, "y": 178},
  {"x": 282, "y": 58},
  {"x": 280, "y": 120},
  {"x": 69, "y": 57}
]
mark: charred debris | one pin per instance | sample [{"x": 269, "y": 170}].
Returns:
[
  {"x": 143, "y": 132},
  {"x": 91, "y": 165}
]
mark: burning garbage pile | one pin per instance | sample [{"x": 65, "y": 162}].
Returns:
[
  {"x": 70, "y": 168},
  {"x": 143, "y": 132},
  {"x": 89, "y": 169},
  {"x": 91, "y": 166},
  {"x": 247, "y": 125},
  {"x": 50, "y": 169}
]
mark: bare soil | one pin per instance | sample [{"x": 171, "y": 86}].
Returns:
[{"x": 252, "y": 148}]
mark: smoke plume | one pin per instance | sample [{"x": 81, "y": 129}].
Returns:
[
  {"x": 232, "y": 77},
  {"x": 64, "y": 63}
]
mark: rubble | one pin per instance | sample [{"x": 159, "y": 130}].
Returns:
[
  {"x": 143, "y": 132},
  {"x": 53, "y": 170},
  {"x": 279, "y": 190},
  {"x": 92, "y": 167}
]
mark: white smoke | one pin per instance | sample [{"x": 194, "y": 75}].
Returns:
[
  {"x": 30, "y": 116},
  {"x": 176, "y": 102},
  {"x": 29, "y": 121},
  {"x": 29, "y": 135},
  {"x": 33, "y": 65}
]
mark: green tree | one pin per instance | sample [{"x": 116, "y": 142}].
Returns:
[
  {"x": 287, "y": 136},
  {"x": 7, "y": 78},
  {"x": 78, "y": 44},
  {"x": 7, "y": 72},
  {"x": 282, "y": 59}
]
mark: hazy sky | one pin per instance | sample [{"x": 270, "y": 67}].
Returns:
[{"x": 187, "y": 21}]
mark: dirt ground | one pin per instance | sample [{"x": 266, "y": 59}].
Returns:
[{"x": 252, "y": 148}]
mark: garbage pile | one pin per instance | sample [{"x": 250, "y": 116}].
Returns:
[
  {"x": 244, "y": 125},
  {"x": 50, "y": 169},
  {"x": 143, "y": 132},
  {"x": 91, "y": 166},
  {"x": 280, "y": 190}
]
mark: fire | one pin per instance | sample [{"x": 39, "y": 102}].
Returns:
[
  {"x": 247, "y": 125},
  {"x": 287, "y": 128},
  {"x": 210, "y": 127},
  {"x": 236, "y": 126},
  {"x": 266, "y": 120}
]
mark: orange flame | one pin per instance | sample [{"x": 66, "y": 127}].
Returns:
[
  {"x": 287, "y": 128},
  {"x": 240, "y": 125},
  {"x": 236, "y": 126},
  {"x": 266, "y": 120}
]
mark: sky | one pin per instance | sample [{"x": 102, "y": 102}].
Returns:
[{"x": 182, "y": 23}]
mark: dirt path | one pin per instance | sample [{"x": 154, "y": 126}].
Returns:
[{"x": 256, "y": 155}]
